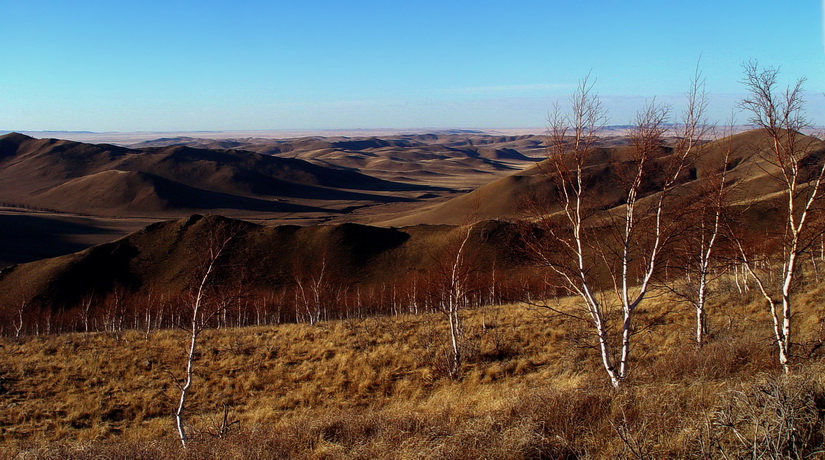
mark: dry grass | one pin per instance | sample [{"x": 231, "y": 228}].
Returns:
[{"x": 375, "y": 388}]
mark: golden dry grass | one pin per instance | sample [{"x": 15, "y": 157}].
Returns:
[{"x": 377, "y": 388}]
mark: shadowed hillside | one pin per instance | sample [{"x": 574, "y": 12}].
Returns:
[
  {"x": 373, "y": 386},
  {"x": 163, "y": 257},
  {"x": 131, "y": 192},
  {"x": 108, "y": 180},
  {"x": 25, "y": 236},
  {"x": 301, "y": 181}
]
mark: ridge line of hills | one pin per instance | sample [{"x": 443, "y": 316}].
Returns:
[
  {"x": 109, "y": 180},
  {"x": 161, "y": 255}
]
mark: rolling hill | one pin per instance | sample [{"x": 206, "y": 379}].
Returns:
[
  {"x": 109, "y": 180},
  {"x": 163, "y": 257},
  {"x": 513, "y": 196},
  {"x": 377, "y": 387},
  {"x": 117, "y": 190},
  {"x": 457, "y": 160}
]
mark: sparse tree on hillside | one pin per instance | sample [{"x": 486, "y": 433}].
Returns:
[
  {"x": 205, "y": 304},
  {"x": 707, "y": 234},
  {"x": 451, "y": 285},
  {"x": 780, "y": 115},
  {"x": 313, "y": 290},
  {"x": 697, "y": 254},
  {"x": 85, "y": 309},
  {"x": 456, "y": 297},
  {"x": 18, "y": 321},
  {"x": 114, "y": 309},
  {"x": 588, "y": 239}
]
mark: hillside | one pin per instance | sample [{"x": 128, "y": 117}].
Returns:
[
  {"x": 376, "y": 388},
  {"x": 368, "y": 371},
  {"x": 445, "y": 159},
  {"x": 750, "y": 177},
  {"x": 116, "y": 190},
  {"x": 162, "y": 258},
  {"x": 105, "y": 180}
]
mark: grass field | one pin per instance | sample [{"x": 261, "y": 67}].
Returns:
[{"x": 378, "y": 388}]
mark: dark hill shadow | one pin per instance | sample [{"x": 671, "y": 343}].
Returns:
[
  {"x": 25, "y": 238},
  {"x": 183, "y": 196}
]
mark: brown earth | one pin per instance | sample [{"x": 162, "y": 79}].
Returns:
[
  {"x": 513, "y": 196},
  {"x": 375, "y": 387},
  {"x": 162, "y": 256},
  {"x": 105, "y": 180},
  {"x": 119, "y": 190}
]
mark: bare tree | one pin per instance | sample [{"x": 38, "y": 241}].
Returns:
[
  {"x": 697, "y": 254},
  {"x": 450, "y": 286},
  {"x": 313, "y": 289},
  {"x": 204, "y": 308},
  {"x": 588, "y": 238},
  {"x": 114, "y": 309},
  {"x": 86, "y": 308},
  {"x": 780, "y": 116},
  {"x": 707, "y": 236},
  {"x": 18, "y": 322},
  {"x": 456, "y": 296}
]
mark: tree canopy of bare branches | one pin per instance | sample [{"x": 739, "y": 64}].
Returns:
[
  {"x": 780, "y": 115},
  {"x": 602, "y": 251}
]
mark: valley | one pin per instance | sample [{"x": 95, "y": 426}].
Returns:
[{"x": 116, "y": 190}]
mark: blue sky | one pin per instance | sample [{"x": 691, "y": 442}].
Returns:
[{"x": 244, "y": 65}]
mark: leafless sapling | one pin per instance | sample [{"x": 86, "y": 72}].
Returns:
[
  {"x": 205, "y": 305},
  {"x": 450, "y": 284},
  {"x": 697, "y": 256},
  {"x": 780, "y": 115}
]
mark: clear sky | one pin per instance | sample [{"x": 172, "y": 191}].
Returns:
[{"x": 242, "y": 65}]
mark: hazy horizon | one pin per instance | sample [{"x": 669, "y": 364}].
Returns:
[{"x": 130, "y": 138}]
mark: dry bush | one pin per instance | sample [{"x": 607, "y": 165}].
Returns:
[
  {"x": 780, "y": 417},
  {"x": 644, "y": 421},
  {"x": 727, "y": 356}
]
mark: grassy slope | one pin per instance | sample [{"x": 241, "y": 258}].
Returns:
[
  {"x": 374, "y": 388},
  {"x": 161, "y": 257}
]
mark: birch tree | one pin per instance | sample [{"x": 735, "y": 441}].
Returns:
[
  {"x": 704, "y": 244},
  {"x": 780, "y": 115},
  {"x": 698, "y": 254},
  {"x": 587, "y": 238},
  {"x": 450, "y": 288},
  {"x": 313, "y": 289},
  {"x": 457, "y": 289},
  {"x": 205, "y": 306},
  {"x": 18, "y": 321}
]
